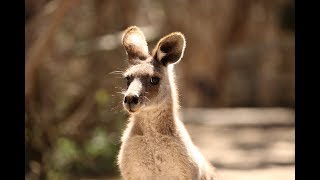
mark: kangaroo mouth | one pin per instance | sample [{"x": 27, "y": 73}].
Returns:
[{"x": 132, "y": 108}]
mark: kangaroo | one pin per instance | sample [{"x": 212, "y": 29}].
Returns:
[{"x": 155, "y": 143}]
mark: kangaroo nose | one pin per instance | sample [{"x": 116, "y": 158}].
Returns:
[{"x": 131, "y": 99}]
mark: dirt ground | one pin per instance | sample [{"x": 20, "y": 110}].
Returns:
[
  {"x": 274, "y": 173},
  {"x": 252, "y": 151},
  {"x": 247, "y": 152}
]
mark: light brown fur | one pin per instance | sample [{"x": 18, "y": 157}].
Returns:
[{"x": 155, "y": 144}]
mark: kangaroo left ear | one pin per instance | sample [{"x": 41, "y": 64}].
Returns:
[
  {"x": 135, "y": 44},
  {"x": 170, "y": 48}
]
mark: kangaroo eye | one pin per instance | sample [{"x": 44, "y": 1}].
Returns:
[
  {"x": 154, "y": 80},
  {"x": 129, "y": 79}
]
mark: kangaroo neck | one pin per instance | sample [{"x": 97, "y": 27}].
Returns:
[{"x": 155, "y": 121}]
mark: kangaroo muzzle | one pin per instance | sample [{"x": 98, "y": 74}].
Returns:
[{"x": 132, "y": 98}]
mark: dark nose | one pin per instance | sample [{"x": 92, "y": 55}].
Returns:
[{"x": 131, "y": 100}]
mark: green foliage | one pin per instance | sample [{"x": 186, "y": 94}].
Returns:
[
  {"x": 61, "y": 106},
  {"x": 54, "y": 175},
  {"x": 99, "y": 144},
  {"x": 102, "y": 97},
  {"x": 65, "y": 154},
  {"x": 100, "y": 150},
  {"x": 95, "y": 156}
]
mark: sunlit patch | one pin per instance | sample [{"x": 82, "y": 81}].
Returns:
[
  {"x": 134, "y": 39},
  {"x": 137, "y": 40}
]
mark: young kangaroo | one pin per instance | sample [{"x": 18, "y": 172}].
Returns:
[{"x": 155, "y": 144}]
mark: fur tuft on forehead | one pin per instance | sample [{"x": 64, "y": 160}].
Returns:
[{"x": 142, "y": 69}]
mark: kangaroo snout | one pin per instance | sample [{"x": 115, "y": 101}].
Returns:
[{"x": 131, "y": 102}]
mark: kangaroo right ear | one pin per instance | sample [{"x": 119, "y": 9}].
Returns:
[
  {"x": 135, "y": 44},
  {"x": 170, "y": 48}
]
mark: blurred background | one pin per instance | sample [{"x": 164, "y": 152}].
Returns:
[{"x": 236, "y": 83}]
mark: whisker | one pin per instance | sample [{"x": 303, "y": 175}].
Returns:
[
  {"x": 146, "y": 98},
  {"x": 117, "y": 107},
  {"x": 121, "y": 92},
  {"x": 116, "y": 72}
]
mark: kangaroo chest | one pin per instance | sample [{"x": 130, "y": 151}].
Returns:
[
  {"x": 162, "y": 155},
  {"x": 156, "y": 150}
]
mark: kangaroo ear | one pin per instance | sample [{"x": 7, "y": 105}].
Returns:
[
  {"x": 170, "y": 48},
  {"x": 135, "y": 44}
]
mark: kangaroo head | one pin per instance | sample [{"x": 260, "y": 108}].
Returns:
[{"x": 148, "y": 81}]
